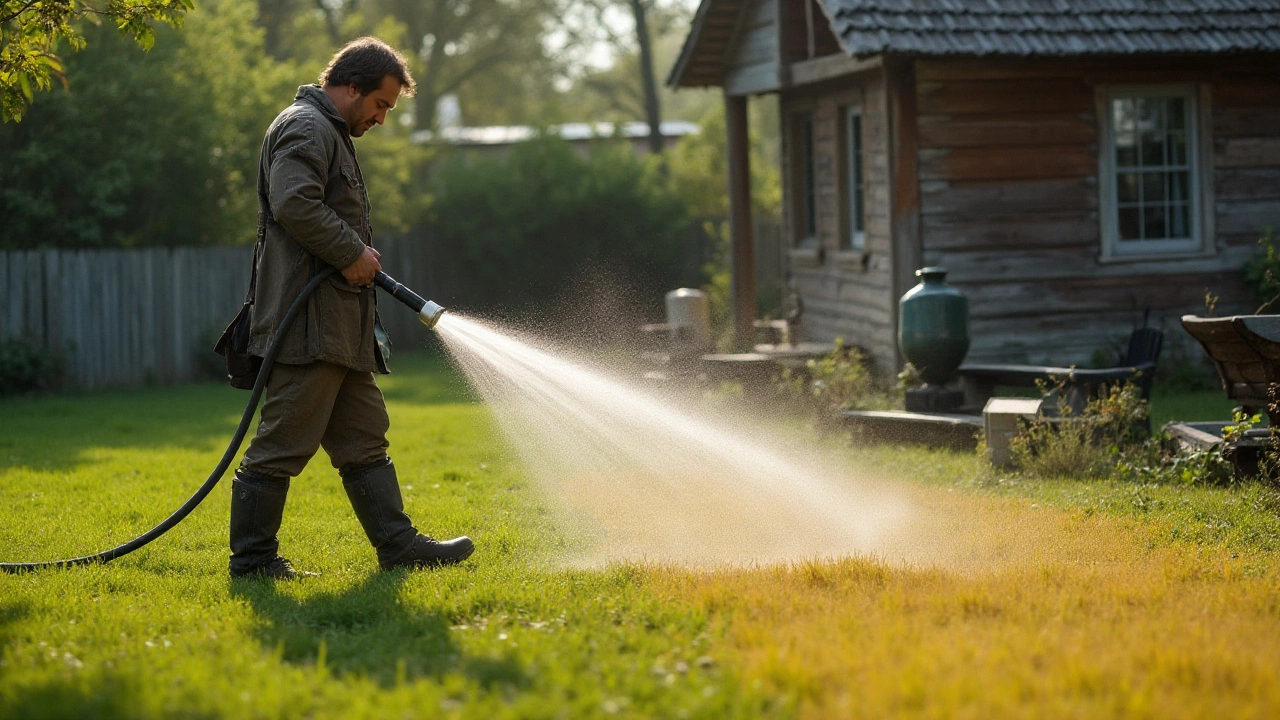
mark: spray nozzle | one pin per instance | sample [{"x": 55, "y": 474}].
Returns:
[{"x": 428, "y": 312}]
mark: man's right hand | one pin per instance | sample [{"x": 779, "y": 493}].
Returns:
[{"x": 360, "y": 273}]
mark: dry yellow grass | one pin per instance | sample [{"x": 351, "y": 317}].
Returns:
[{"x": 1007, "y": 610}]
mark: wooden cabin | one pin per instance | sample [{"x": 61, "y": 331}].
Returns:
[{"x": 1073, "y": 164}]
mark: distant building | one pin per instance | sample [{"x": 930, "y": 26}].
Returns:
[{"x": 497, "y": 139}]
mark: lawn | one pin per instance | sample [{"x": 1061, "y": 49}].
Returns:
[{"x": 1012, "y": 597}]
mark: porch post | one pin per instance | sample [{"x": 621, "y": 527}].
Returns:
[
  {"x": 741, "y": 233},
  {"x": 904, "y": 199}
]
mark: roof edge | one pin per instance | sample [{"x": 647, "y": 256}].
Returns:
[{"x": 686, "y": 51}]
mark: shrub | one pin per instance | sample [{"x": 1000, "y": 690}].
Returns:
[
  {"x": 26, "y": 367},
  {"x": 1262, "y": 272},
  {"x": 839, "y": 380},
  {"x": 1088, "y": 444},
  {"x": 523, "y": 226}
]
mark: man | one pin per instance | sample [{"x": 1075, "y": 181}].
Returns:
[{"x": 314, "y": 212}]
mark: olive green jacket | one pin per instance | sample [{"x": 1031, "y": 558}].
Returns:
[{"x": 313, "y": 211}]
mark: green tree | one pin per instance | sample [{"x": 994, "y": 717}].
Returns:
[
  {"x": 699, "y": 166},
  {"x": 489, "y": 53},
  {"x": 522, "y": 226},
  {"x": 605, "y": 28},
  {"x": 30, "y": 31},
  {"x": 141, "y": 148}
]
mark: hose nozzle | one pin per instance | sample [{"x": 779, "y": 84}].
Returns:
[{"x": 428, "y": 312}]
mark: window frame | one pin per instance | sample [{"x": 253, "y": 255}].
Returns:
[
  {"x": 853, "y": 175},
  {"x": 1200, "y": 242}
]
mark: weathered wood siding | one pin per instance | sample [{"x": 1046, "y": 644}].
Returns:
[
  {"x": 845, "y": 294},
  {"x": 1008, "y": 170},
  {"x": 754, "y": 61}
]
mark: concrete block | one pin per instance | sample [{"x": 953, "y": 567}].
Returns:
[{"x": 1002, "y": 419}]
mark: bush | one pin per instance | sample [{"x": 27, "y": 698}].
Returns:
[
  {"x": 524, "y": 226},
  {"x": 26, "y": 367},
  {"x": 1262, "y": 272},
  {"x": 837, "y": 381},
  {"x": 141, "y": 148},
  {"x": 1085, "y": 445}
]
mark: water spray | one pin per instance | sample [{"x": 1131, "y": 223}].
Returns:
[{"x": 428, "y": 312}]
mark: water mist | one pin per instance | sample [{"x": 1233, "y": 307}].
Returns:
[{"x": 641, "y": 477}]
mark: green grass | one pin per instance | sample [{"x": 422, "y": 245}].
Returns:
[
  {"x": 1151, "y": 601},
  {"x": 163, "y": 632},
  {"x": 1189, "y": 407}
]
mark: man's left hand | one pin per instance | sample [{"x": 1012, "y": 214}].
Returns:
[{"x": 361, "y": 272}]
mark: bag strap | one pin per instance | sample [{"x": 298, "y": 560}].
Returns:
[{"x": 251, "y": 294}]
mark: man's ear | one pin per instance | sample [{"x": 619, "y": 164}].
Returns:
[{"x": 353, "y": 91}]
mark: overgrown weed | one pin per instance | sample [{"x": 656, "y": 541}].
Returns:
[
  {"x": 1087, "y": 444},
  {"x": 839, "y": 380}
]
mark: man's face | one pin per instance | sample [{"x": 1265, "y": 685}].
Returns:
[{"x": 365, "y": 111}]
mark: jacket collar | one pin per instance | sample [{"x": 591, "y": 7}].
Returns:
[{"x": 315, "y": 95}]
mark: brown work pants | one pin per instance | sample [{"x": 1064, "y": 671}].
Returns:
[{"x": 318, "y": 405}]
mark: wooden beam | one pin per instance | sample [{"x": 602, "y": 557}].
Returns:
[
  {"x": 741, "y": 233},
  {"x": 830, "y": 66},
  {"x": 904, "y": 175}
]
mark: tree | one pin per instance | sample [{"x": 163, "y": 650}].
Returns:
[
  {"x": 521, "y": 226},
  {"x": 644, "y": 44},
  {"x": 31, "y": 29},
  {"x": 146, "y": 148},
  {"x": 484, "y": 51},
  {"x": 629, "y": 87}
]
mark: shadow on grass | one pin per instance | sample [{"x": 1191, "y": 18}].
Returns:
[
  {"x": 63, "y": 697},
  {"x": 366, "y": 630},
  {"x": 10, "y": 614},
  {"x": 55, "y": 433},
  {"x": 108, "y": 696}
]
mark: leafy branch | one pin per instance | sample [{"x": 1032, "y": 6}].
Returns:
[{"x": 30, "y": 31}]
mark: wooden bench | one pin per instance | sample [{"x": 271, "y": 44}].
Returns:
[{"x": 979, "y": 381}]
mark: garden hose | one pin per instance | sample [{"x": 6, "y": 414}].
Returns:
[{"x": 428, "y": 312}]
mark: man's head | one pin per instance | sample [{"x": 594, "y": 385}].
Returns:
[{"x": 364, "y": 79}]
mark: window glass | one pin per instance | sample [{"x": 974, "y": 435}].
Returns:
[
  {"x": 1153, "y": 174},
  {"x": 855, "y": 183}
]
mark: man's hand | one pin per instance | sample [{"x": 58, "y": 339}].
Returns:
[{"x": 361, "y": 272}]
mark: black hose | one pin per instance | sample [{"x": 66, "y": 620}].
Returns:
[{"x": 268, "y": 359}]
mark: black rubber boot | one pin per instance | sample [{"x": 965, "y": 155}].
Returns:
[
  {"x": 257, "y": 505},
  {"x": 374, "y": 491}
]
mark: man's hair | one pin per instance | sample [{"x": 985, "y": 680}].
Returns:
[{"x": 364, "y": 62}]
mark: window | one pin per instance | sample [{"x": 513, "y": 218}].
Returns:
[
  {"x": 1150, "y": 188},
  {"x": 807, "y": 220},
  {"x": 854, "y": 235}
]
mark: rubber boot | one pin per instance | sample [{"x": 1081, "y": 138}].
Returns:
[
  {"x": 257, "y": 505},
  {"x": 374, "y": 491}
]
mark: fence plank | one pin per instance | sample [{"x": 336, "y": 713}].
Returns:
[{"x": 12, "y": 295}]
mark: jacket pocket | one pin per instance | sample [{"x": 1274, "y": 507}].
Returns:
[
  {"x": 350, "y": 175},
  {"x": 341, "y": 311}
]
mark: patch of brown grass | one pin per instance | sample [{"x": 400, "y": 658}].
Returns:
[{"x": 1002, "y": 609}]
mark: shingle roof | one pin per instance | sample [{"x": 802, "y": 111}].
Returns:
[{"x": 1054, "y": 27}]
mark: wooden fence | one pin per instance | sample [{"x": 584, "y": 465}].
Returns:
[
  {"x": 151, "y": 316},
  {"x": 124, "y": 317}
]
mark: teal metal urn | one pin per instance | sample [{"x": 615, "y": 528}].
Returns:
[{"x": 933, "y": 326}]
